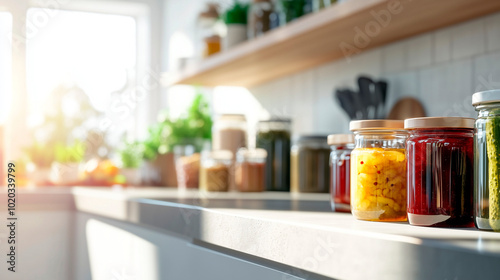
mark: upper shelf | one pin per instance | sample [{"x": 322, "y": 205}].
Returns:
[{"x": 316, "y": 39}]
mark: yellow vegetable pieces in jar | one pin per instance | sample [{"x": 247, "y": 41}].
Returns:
[{"x": 378, "y": 184}]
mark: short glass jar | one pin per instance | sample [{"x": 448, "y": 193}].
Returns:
[
  {"x": 341, "y": 146},
  {"x": 310, "y": 164},
  {"x": 274, "y": 137},
  {"x": 215, "y": 170},
  {"x": 250, "y": 170},
  {"x": 378, "y": 170},
  {"x": 487, "y": 160},
  {"x": 440, "y": 156}
]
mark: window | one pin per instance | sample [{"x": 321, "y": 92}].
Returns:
[
  {"x": 86, "y": 59},
  {"x": 5, "y": 64}
]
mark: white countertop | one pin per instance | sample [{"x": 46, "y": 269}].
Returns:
[{"x": 314, "y": 239}]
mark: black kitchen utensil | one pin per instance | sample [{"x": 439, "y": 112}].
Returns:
[
  {"x": 346, "y": 100},
  {"x": 368, "y": 98},
  {"x": 381, "y": 90}
]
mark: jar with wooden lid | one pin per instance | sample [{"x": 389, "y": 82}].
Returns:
[
  {"x": 440, "y": 179},
  {"x": 341, "y": 146},
  {"x": 378, "y": 170}
]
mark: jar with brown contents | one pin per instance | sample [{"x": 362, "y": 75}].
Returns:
[
  {"x": 250, "y": 170},
  {"x": 215, "y": 171}
]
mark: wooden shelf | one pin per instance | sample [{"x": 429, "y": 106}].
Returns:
[{"x": 315, "y": 39}]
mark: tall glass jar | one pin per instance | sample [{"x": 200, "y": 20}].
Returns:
[
  {"x": 378, "y": 170},
  {"x": 440, "y": 178},
  {"x": 259, "y": 20},
  {"x": 310, "y": 164},
  {"x": 487, "y": 160},
  {"x": 274, "y": 137},
  {"x": 229, "y": 132},
  {"x": 341, "y": 146}
]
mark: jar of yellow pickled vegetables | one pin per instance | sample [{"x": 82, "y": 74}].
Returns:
[{"x": 378, "y": 170}]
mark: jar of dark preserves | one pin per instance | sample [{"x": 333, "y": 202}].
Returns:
[
  {"x": 440, "y": 171},
  {"x": 341, "y": 146},
  {"x": 274, "y": 137}
]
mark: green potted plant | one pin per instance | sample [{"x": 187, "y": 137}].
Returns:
[
  {"x": 65, "y": 169},
  {"x": 130, "y": 156},
  {"x": 39, "y": 157},
  {"x": 194, "y": 128}
]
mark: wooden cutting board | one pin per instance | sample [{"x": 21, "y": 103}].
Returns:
[{"x": 405, "y": 108}]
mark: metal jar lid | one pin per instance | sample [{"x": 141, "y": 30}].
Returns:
[
  {"x": 439, "y": 122},
  {"x": 376, "y": 125},
  {"x": 337, "y": 139},
  {"x": 484, "y": 97}
]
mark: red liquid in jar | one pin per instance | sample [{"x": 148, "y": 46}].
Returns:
[
  {"x": 340, "y": 182},
  {"x": 440, "y": 177}
]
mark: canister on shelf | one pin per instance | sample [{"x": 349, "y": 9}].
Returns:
[
  {"x": 274, "y": 137},
  {"x": 341, "y": 146},
  {"x": 250, "y": 170},
  {"x": 259, "y": 21},
  {"x": 215, "y": 169},
  {"x": 439, "y": 154},
  {"x": 310, "y": 166},
  {"x": 487, "y": 160},
  {"x": 378, "y": 170}
]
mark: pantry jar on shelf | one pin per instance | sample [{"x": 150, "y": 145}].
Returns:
[
  {"x": 440, "y": 164},
  {"x": 378, "y": 170},
  {"x": 487, "y": 160}
]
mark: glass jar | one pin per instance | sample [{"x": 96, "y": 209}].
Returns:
[
  {"x": 215, "y": 169},
  {"x": 440, "y": 179},
  {"x": 487, "y": 160},
  {"x": 187, "y": 165},
  {"x": 229, "y": 132},
  {"x": 310, "y": 164},
  {"x": 378, "y": 170},
  {"x": 341, "y": 146},
  {"x": 259, "y": 20},
  {"x": 274, "y": 137},
  {"x": 250, "y": 170}
]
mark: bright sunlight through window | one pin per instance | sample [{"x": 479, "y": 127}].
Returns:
[{"x": 5, "y": 64}]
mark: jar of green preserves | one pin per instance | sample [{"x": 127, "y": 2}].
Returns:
[{"x": 487, "y": 160}]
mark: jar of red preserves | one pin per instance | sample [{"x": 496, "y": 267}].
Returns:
[
  {"x": 440, "y": 171},
  {"x": 340, "y": 167}
]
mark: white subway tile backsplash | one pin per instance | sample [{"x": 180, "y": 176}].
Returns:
[
  {"x": 468, "y": 39},
  {"x": 395, "y": 57},
  {"x": 492, "y": 28},
  {"x": 442, "y": 45},
  {"x": 487, "y": 72},
  {"x": 420, "y": 51},
  {"x": 446, "y": 89}
]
